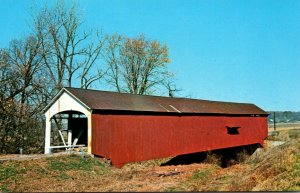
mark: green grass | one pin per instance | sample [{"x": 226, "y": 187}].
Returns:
[
  {"x": 277, "y": 169},
  {"x": 10, "y": 171},
  {"x": 171, "y": 189},
  {"x": 59, "y": 168},
  {"x": 295, "y": 174},
  {"x": 76, "y": 163},
  {"x": 64, "y": 176},
  {"x": 199, "y": 175},
  {"x": 294, "y": 134},
  {"x": 39, "y": 170},
  {"x": 73, "y": 163},
  {"x": 224, "y": 178},
  {"x": 3, "y": 188}
]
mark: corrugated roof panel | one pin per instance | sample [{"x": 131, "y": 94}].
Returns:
[{"x": 104, "y": 100}]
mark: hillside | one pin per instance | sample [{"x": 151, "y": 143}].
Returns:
[{"x": 271, "y": 169}]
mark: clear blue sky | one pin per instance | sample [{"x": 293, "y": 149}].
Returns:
[{"x": 227, "y": 50}]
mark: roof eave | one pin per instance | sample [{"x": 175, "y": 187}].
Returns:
[
  {"x": 182, "y": 113},
  {"x": 78, "y": 100},
  {"x": 53, "y": 100},
  {"x": 59, "y": 94}
]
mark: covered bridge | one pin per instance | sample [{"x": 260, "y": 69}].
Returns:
[{"x": 127, "y": 128}]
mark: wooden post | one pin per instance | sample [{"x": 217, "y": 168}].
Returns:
[
  {"x": 274, "y": 122},
  {"x": 70, "y": 137},
  {"x": 48, "y": 135},
  {"x": 59, "y": 130},
  {"x": 89, "y": 120}
]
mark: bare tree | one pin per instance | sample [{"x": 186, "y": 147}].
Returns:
[
  {"x": 171, "y": 88},
  {"x": 57, "y": 53},
  {"x": 92, "y": 53},
  {"x": 136, "y": 65},
  {"x": 68, "y": 52},
  {"x": 23, "y": 94},
  {"x": 33, "y": 69}
]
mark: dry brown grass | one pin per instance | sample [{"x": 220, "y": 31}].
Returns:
[
  {"x": 286, "y": 135},
  {"x": 274, "y": 169},
  {"x": 284, "y": 126}
]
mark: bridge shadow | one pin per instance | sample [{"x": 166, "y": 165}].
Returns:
[
  {"x": 223, "y": 157},
  {"x": 186, "y": 159}
]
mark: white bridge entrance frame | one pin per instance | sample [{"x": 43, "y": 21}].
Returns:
[{"x": 65, "y": 101}]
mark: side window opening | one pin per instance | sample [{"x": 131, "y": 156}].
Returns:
[{"x": 233, "y": 130}]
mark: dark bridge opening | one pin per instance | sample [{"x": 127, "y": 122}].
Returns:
[{"x": 69, "y": 130}]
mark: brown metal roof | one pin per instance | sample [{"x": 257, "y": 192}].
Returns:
[{"x": 104, "y": 100}]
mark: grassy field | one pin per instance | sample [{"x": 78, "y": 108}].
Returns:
[
  {"x": 284, "y": 126},
  {"x": 274, "y": 169}
]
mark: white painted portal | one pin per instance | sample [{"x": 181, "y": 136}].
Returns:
[{"x": 65, "y": 101}]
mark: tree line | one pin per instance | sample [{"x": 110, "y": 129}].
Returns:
[
  {"x": 59, "y": 52},
  {"x": 284, "y": 116}
]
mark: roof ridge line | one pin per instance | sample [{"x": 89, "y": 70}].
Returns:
[{"x": 156, "y": 96}]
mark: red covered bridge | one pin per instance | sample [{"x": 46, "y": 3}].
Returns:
[{"x": 127, "y": 128}]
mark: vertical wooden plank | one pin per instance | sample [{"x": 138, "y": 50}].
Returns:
[
  {"x": 47, "y": 133},
  {"x": 89, "y": 132},
  {"x": 128, "y": 138}
]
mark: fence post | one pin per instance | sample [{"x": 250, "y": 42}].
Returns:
[{"x": 274, "y": 122}]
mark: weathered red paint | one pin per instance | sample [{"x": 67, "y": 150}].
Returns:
[
  {"x": 125, "y": 138},
  {"x": 128, "y": 128}
]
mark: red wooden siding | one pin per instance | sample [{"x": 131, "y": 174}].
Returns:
[{"x": 130, "y": 138}]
